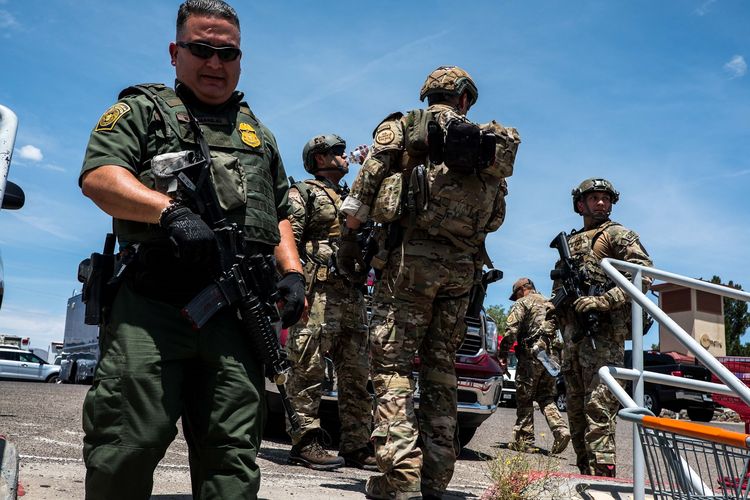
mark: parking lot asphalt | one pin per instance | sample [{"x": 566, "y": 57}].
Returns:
[{"x": 44, "y": 421}]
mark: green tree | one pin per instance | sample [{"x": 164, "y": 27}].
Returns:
[
  {"x": 736, "y": 321},
  {"x": 497, "y": 312}
]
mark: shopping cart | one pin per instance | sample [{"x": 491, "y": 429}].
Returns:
[{"x": 685, "y": 460}]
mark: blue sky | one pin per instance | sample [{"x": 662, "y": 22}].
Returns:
[{"x": 652, "y": 95}]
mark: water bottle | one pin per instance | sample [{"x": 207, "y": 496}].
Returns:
[
  {"x": 549, "y": 364},
  {"x": 358, "y": 155}
]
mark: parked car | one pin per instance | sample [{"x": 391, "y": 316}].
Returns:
[
  {"x": 477, "y": 371},
  {"x": 17, "y": 364},
  {"x": 699, "y": 405}
]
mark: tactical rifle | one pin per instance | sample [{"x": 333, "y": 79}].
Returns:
[
  {"x": 478, "y": 292},
  {"x": 574, "y": 283},
  {"x": 244, "y": 279}
]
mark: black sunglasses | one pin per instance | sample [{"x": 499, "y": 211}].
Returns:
[
  {"x": 337, "y": 150},
  {"x": 205, "y": 51}
]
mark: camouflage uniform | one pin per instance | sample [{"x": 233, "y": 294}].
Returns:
[
  {"x": 337, "y": 324},
  {"x": 420, "y": 302},
  {"x": 527, "y": 322},
  {"x": 592, "y": 408}
]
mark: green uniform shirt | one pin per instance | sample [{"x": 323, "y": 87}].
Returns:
[{"x": 132, "y": 132}]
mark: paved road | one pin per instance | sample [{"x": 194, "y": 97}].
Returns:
[{"x": 44, "y": 421}]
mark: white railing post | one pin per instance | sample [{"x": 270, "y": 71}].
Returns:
[{"x": 636, "y": 358}]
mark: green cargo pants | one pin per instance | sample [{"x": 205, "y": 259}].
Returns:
[{"x": 155, "y": 369}]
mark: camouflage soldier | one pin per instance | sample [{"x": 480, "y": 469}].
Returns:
[
  {"x": 527, "y": 322},
  {"x": 438, "y": 204},
  {"x": 592, "y": 408},
  {"x": 337, "y": 322}
]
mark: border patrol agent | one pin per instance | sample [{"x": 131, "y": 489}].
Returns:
[
  {"x": 592, "y": 408},
  {"x": 337, "y": 322},
  {"x": 437, "y": 180},
  {"x": 154, "y": 368}
]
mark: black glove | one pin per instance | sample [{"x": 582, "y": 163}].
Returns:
[
  {"x": 349, "y": 259},
  {"x": 292, "y": 289},
  {"x": 194, "y": 242}
]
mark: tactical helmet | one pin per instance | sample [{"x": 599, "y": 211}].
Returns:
[
  {"x": 449, "y": 80},
  {"x": 592, "y": 185},
  {"x": 318, "y": 145},
  {"x": 518, "y": 285}
]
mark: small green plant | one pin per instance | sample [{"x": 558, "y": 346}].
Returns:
[{"x": 523, "y": 476}]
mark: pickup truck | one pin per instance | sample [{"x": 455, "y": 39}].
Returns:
[
  {"x": 699, "y": 405},
  {"x": 479, "y": 384}
]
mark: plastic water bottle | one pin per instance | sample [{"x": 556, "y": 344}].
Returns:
[
  {"x": 358, "y": 155},
  {"x": 549, "y": 364}
]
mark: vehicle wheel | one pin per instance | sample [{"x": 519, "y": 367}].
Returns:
[
  {"x": 465, "y": 434},
  {"x": 651, "y": 402},
  {"x": 562, "y": 402},
  {"x": 53, "y": 379},
  {"x": 701, "y": 414}
]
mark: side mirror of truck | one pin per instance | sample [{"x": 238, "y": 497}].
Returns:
[{"x": 14, "y": 197}]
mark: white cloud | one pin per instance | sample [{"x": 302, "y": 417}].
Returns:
[
  {"x": 7, "y": 20},
  {"x": 29, "y": 152},
  {"x": 736, "y": 67},
  {"x": 42, "y": 327},
  {"x": 703, "y": 9}
]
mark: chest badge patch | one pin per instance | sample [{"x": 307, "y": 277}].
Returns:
[
  {"x": 248, "y": 135},
  {"x": 110, "y": 117}
]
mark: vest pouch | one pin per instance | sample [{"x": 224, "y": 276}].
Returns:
[
  {"x": 228, "y": 177},
  {"x": 388, "y": 202},
  {"x": 416, "y": 133},
  {"x": 462, "y": 147},
  {"x": 164, "y": 170},
  {"x": 506, "y": 147}
]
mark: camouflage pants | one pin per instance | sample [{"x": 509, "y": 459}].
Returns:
[
  {"x": 337, "y": 326},
  {"x": 534, "y": 383},
  {"x": 419, "y": 306},
  {"x": 592, "y": 408}
]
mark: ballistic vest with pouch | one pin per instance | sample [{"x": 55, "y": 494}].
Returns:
[{"x": 240, "y": 156}]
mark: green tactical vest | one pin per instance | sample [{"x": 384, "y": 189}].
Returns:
[{"x": 240, "y": 169}]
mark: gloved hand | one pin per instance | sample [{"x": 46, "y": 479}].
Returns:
[
  {"x": 503, "y": 362},
  {"x": 539, "y": 345},
  {"x": 349, "y": 259},
  {"x": 292, "y": 289},
  {"x": 194, "y": 242},
  {"x": 591, "y": 303}
]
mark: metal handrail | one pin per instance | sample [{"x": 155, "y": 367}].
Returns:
[
  {"x": 639, "y": 302},
  {"x": 8, "y": 128}
]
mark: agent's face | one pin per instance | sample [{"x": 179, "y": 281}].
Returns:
[
  {"x": 211, "y": 75},
  {"x": 596, "y": 205}
]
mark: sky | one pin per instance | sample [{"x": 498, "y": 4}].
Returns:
[{"x": 653, "y": 96}]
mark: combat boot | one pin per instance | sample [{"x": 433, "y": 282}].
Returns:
[
  {"x": 377, "y": 487},
  {"x": 362, "y": 458},
  {"x": 310, "y": 453},
  {"x": 562, "y": 438}
]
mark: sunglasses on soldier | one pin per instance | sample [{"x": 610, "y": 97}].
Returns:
[
  {"x": 205, "y": 51},
  {"x": 337, "y": 150}
]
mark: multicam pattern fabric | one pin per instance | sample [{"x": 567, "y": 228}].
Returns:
[
  {"x": 420, "y": 302},
  {"x": 336, "y": 325},
  {"x": 592, "y": 409},
  {"x": 527, "y": 322},
  {"x": 418, "y": 310}
]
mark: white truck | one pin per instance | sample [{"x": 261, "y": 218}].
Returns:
[{"x": 80, "y": 351}]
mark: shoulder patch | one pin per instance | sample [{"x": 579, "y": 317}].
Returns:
[
  {"x": 109, "y": 118},
  {"x": 385, "y": 136},
  {"x": 248, "y": 135}
]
